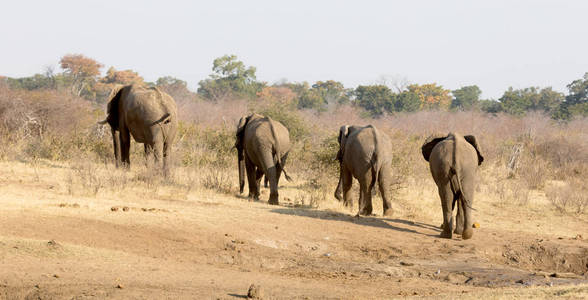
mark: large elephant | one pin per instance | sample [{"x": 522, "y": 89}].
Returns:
[
  {"x": 262, "y": 148},
  {"x": 454, "y": 160},
  {"x": 364, "y": 153},
  {"x": 147, "y": 114}
]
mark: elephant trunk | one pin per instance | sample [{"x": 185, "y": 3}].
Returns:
[{"x": 241, "y": 160}]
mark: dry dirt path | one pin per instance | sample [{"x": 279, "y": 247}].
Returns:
[{"x": 55, "y": 245}]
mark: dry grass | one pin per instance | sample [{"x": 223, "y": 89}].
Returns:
[{"x": 54, "y": 126}]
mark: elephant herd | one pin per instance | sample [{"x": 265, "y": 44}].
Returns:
[{"x": 365, "y": 153}]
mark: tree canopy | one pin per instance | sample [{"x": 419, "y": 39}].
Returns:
[
  {"x": 230, "y": 77},
  {"x": 466, "y": 97}
]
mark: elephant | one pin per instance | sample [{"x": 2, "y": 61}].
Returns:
[
  {"x": 147, "y": 114},
  {"x": 453, "y": 161},
  {"x": 262, "y": 146},
  {"x": 364, "y": 153}
]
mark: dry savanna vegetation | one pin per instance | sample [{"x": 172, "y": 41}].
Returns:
[{"x": 74, "y": 226}]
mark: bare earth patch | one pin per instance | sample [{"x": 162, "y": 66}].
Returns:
[{"x": 179, "y": 243}]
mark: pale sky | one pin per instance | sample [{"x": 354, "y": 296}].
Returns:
[{"x": 494, "y": 44}]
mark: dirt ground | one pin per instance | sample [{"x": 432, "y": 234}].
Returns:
[{"x": 199, "y": 244}]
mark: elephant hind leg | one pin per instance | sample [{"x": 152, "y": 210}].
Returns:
[
  {"x": 125, "y": 146},
  {"x": 467, "y": 198},
  {"x": 258, "y": 175},
  {"x": 251, "y": 180},
  {"x": 346, "y": 183},
  {"x": 166, "y": 157},
  {"x": 459, "y": 217},
  {"x": 446, "y": 195},
  {"x": 366, "y": 186},
  {"x": 383, "y": 184}
]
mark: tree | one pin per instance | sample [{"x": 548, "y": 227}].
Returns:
[
  {"x": 576, "y": 102},
  {"x": 407, "y": 101},
  {"x": 331, "y": 91},
  {"x": 230, "y": 77},
  {"x": 125, "y": 77},
  {"x": 432, "y": 96},
  {"x": 376, "y": 99},
  {"x": 81, "y": 70},
  {"x": 490, "y": 106},
  {"x": 466, "y": 97},
  {"x": 34, "y": 82},
  {"x": 177, "y": 88},
  {"x": 518, "y": 102}
]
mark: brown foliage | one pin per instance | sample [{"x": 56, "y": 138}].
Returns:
[{"x": 79, "y": 65}]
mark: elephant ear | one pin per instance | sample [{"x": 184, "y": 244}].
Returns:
[
  {"x": 472, "y": 140},
  {"x": 113, "y": 106},
  {"x": 430, "y": 143},
  {"x": 343, "y": 133},
  {"x": 241, "y": 129}
]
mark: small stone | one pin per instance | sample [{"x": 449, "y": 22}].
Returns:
[
  {"x": 476, "y": 225},
  {"x": 126, "y": 208},
  {"x": 408, "y": 264},
  {"x": 56, "y": 275},
  {"x": 120, "y": 286},
  {"x": 114, "y": 208},
  {"x": 255, "y": 292}
]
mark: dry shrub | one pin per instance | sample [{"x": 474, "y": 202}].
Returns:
[
  {"x": 569, "y": 198},
  {"x": 213, "y": 115},
  {"x": 54, "y": 125},
  {"x": 219, "y": 180}
]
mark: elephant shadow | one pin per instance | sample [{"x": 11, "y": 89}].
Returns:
[{"x": 378, "y": 222}]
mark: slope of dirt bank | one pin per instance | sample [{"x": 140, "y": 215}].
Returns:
[{"x": 54, "y": 244}]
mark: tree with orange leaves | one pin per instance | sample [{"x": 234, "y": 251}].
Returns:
[
  {"x": 431, "y": 95},
  {"x": 81, "y": 70},
  {"x": 125, "y": 77}
]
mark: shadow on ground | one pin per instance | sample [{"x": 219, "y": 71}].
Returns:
[{"x": 366, "y": 221}]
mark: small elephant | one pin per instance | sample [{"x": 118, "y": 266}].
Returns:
[
  {"x": 454, "y": 160},
  {"x": 262, "y": 148},
  {"x": 364, "y": 153},
  {"x": 147, "y": 114}
]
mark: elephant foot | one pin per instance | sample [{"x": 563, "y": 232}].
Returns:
[
  {"x": 467, "y": 234},
  {"x": 253, "y": 197},
  {"x": 446, "y": 234},
  {"x": 388, "y": 212},
  {"x": 458, "y": 230},
  {"x": 365, "y": 212},
  {"x": 273, "y": 200}
]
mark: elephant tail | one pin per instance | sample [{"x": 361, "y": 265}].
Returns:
[
  {"x": 375, "y": 162},
  {"x": 277, "y": 149},
  {"x": 455, "y": 176}
]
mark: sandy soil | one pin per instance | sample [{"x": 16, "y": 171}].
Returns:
[{"x": 136, "y": 244}]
